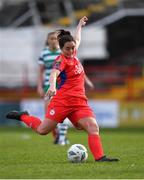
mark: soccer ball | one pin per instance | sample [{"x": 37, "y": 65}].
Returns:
[{"x": 77, "y": 153}]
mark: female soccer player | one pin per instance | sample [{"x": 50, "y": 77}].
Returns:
[
  {"x": 46, "y": 60},
  {"x": 69, "y": 100}
]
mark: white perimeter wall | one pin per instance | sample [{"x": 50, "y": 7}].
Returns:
[
  {"x": 106, "y": 112},
  {"x": 20, "y": 49}
]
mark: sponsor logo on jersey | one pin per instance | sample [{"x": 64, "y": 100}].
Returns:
[{"x": 78, "y": 69}]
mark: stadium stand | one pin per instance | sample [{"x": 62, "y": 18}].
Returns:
[
  {"x": 53, "y": 11},
  {"x": 58, "y": 12}
]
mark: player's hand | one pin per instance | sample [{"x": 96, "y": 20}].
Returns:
[
  {"x": 83, "y": 21},
  {"x": 49, "y": 94},
  {"x": 91, "y": 86}
]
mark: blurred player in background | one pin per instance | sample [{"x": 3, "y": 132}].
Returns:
[
  {"x": 46, "y": 60},
  {"x": 69, "y": 100}
]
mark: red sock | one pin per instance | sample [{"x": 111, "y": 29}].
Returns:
[
  {"x": 31, "y": 121},
  {"x": 95, "y": 146}
]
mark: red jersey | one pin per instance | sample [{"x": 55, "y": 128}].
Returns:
[{"x": 71, "y": 90}]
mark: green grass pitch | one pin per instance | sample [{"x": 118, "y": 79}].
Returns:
[{"x": 27, "y": 155}]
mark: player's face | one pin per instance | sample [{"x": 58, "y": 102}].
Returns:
[
  {"x": 69, "y": 49},
  {"x": 52, "y": 41}
]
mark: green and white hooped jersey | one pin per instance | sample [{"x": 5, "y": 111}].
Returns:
[{"x": 47, "y": 58}]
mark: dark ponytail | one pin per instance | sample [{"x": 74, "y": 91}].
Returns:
[{"x": 63, "y": 37}]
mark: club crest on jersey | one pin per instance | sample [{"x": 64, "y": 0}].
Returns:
[
  {"x": 78, "y": 69},
  {"x": 57, "y": 64},
  {"x": 52, "y": 112}
]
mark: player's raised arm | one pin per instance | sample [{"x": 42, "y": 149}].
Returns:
[{"x": 77, "y": 36}]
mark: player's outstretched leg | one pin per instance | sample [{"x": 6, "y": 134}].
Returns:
[
  {"x": 41, "y": 127},
  {"x": 16, "y": 115},
  {"x": 30, "y": 121}
]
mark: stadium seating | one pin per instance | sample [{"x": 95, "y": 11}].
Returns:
[{"x": 53, "y": 11}]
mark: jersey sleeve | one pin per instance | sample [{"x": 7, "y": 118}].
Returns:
[
  {"x": 40, "y": 59},
  {"x": 60, "y": 63}
]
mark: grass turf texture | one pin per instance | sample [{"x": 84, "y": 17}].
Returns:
[{"x": 24, "y": 154}]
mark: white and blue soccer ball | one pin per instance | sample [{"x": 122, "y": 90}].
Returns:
[{"x": 77, "y": 153}]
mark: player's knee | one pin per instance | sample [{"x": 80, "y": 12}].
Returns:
[
  {"x": 90, "y": 125},
  {"x": 42, "y": 132},
  {"x": 93, "y": 129}
]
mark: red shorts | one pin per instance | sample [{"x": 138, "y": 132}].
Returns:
[{"x": 74, "y": 114}]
